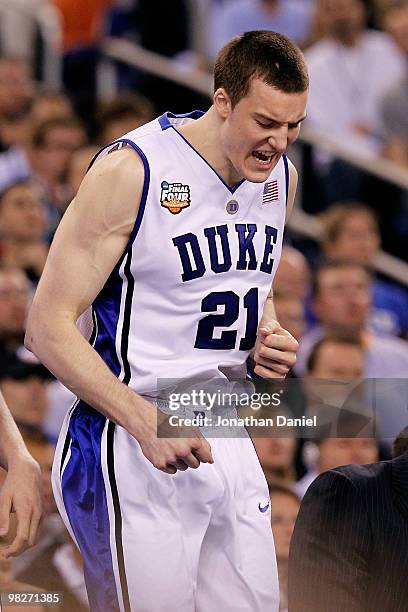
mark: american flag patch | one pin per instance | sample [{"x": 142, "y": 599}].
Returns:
[{"x": 270, "y": 192}]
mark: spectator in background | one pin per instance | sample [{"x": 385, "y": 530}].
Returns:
[
  {"x": 15, "y": 130},
  {"x": 350, "y": 69},
  {"x": 16, "y": 87},
  {"x": 276, "y": 452},
  {"x": 285, "y": 507},
  {"x": 350, "y": 232},
  {"x": 83, "y": 26},
  {"x": 337, "y": 357},
  {"x": 395, "y": 101},
  {"x": 125, "y": 112},
  {"x": 293, "y": 278},
  {"x": 342, "y": 303},
  {"x": 77, "y": 168},
  {"x": 14, "y": 299},
  {"x": 335, "y": 389},
  {"x": 53, "y": 143},
  {"x": 23, "y": 224},
  {"x": 293, "y": 274},
  {"x": 332, "y": 452},
  {"x": 45, "y": 158},
  {"x": 24, "y": 386},
  {"x": 16, "y": 133},
  {"x": 287, "y": 17},
  {"x": 290, "y": 313},
  {"x": 49, "y": 105}
]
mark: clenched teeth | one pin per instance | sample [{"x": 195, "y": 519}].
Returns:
[{"x": 263, "y": 156}]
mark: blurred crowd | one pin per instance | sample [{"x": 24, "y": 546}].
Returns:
[{"x": 351, "y": 322}]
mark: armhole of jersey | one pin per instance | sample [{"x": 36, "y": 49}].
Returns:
[
  {"x": 285, "y": 161},
  {"x": 146, "y": 183}
]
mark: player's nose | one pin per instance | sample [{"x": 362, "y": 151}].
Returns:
[{"x": 279, "y": 140}]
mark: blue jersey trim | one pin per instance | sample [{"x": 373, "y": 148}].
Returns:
[
  {"x": 145, "y": 191},
  {"x": 165, "y": 124},
  {"x": 84, "y": 494},
  {"x": 110, "y": 457},
  {"x": 106, "y": 305},
  {"x": 285, "y": 161}
]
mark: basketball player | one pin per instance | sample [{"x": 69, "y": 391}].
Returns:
[
  {"x": 174, "y": 240},
  {"x": 20, "y": 491}
]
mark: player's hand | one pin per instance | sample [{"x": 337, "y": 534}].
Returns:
[
  {"x": 21, "y": 493},
  {"x": 275, "y": 351},
  {"x": 186, "y": 448}
]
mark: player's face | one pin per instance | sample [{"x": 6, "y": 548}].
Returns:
[{"x": 257, "y": 131}]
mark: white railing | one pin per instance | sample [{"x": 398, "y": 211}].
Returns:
[{"x": 134, "y": 55}]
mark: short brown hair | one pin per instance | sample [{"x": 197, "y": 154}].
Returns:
[
  {"x": 335, "y": 264},
  {"x": 124, "y": 105},
  {"x": 333, "y": 219},
  {"x": 262, "y": 54},
  {"x": 331, "y": 339},
  {"x": 41, "y": 130}
]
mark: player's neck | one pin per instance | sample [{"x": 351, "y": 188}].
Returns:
[{"x": 204, "y": 135}]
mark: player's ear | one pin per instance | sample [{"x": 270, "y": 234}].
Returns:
[{"x": 222, "y": 103}]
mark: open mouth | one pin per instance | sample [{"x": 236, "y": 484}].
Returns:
[{"x": 263, "y": 157}]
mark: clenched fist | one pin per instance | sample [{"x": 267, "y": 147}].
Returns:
[{"x": 275, "y": 351}]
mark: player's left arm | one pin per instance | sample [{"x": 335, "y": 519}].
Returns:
[{"x": 275, "y": 348}]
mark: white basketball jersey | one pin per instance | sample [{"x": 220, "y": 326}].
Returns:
[{"x": 185, "y": 298}]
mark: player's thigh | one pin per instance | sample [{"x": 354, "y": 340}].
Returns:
[
  {"x": 155, "y": 551},
  {"x": 237, "y": 569},
  {"x": 121, "y": 512}
]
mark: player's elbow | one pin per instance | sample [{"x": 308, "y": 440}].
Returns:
[
  {"x": 31, "y": 333},
  {"x": 38, "y": 328}
]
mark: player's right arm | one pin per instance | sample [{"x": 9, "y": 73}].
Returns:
[{"x": 89, "y": 241}]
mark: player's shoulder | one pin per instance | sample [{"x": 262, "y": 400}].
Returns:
[{"x": 117, "y": 164}]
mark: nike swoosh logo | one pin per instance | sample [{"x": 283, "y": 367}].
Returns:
[{"x": 263, "y": 509}]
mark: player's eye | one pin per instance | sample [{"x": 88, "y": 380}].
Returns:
[{"x": 269, "y": 125}]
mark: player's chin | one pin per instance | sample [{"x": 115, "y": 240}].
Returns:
[{"x": 256, "y": 173}]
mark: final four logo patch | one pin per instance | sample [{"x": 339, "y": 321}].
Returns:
[{"x": 175, "y": 196}]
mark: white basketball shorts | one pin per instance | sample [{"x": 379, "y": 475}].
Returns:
[{"x": 196, "y": 541}]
